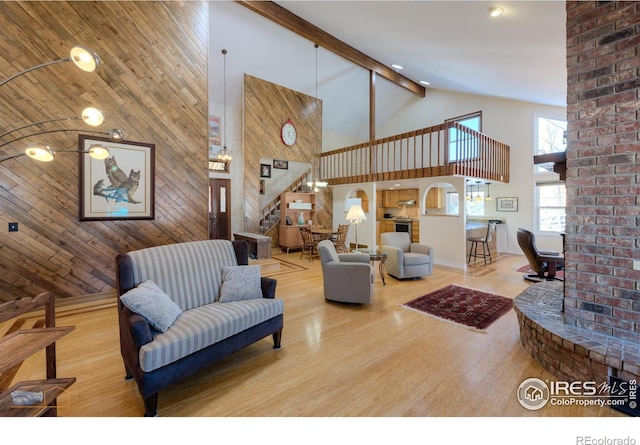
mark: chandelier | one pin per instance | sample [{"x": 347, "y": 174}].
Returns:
[{"x": 87, "y": 60}]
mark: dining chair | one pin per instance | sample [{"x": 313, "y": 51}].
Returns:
[
  {"x": 309, "y": 244},
  {"x": 340, "y": 243}
]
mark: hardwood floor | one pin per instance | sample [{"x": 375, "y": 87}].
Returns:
[{"x": 336, "y": 360}]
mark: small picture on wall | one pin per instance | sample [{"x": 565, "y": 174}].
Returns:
[
  {"x": 214, "y": 130},
  {"x": 262, "y": 190},
  {"x": 265, "y": 171},
  {"x": 279, "y": 163},
  {"x": 507, "y": 204}
]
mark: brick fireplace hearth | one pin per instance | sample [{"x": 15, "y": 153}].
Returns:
[{"x": 569, "y": 352}]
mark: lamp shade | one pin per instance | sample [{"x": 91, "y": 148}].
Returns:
[
  {"x": 40, "y": 152},
  {"x": 98, "y": 152},
  {"x": 92, "y": 116},
  {"x": 356, "y": 214},
  {"x": 85, "y": 58}
]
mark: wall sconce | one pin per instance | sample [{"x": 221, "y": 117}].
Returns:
[{"x": 87, "y": 60}]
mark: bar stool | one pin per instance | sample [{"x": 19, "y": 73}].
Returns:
[{"x": 486, "y": 250}]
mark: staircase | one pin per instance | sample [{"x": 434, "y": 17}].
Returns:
[{"x": 271, "y": 212}]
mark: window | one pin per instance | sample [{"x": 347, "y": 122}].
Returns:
[
  {"x": 550, "y": 138},
  {"x": 475, "y": 203},
  {"x": 462, "y": 145},
  {"x": 453, "y": 203},
  {"x": 551, "y": 196},
  {"x": 551, "y": 203}
]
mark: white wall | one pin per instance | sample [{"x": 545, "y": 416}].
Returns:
[{"x": 508, "y": 121}]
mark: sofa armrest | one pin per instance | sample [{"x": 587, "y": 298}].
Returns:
[
  {"x": 268, "y": 286},
  {"x": 421, "y": 248},
  {"x": 353, "y": 257},
  {"x": 140, "y": 329},
  {"x": 395, "y": 257}
]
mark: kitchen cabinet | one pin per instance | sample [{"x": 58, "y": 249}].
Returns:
[
  {"x": 364, "y": 199},
  {"x": 415, "y": 231},
  {"x": 385, "y": 225},
  {"x": 390, "y": 199},
  {"x": 434, "y": 198},
  {"x": 407, "y": 194}
]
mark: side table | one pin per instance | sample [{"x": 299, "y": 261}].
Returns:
[{"x": 376, "y": 255}]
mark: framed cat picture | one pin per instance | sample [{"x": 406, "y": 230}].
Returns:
[{"x": 116, "y": 179}]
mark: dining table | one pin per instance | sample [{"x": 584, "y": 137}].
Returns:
[{"x": 320, "y": 233}]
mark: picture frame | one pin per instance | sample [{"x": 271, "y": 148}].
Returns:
[
  {"x": 120, "y": 187},
  {"x": 262, "y": 187},
  {"x": 265, "y": 171},
  {"x": 507, "y": 204},
  {"x": 281, "y": 164},
  {"x": 214, "y": 130}
]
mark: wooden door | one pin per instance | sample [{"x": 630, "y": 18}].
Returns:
[{"x": 219, "y": 208}]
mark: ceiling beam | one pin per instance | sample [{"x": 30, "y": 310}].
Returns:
[{"x": 292, "y": 22}]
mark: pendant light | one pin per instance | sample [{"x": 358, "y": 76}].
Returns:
[
  {"x": 317, "y": 185},
  {"x": 488, "y": 197},
  {"x": 225, "y": 155},
  {"x": 478, "y": 197},
  {"x": 468, "y": 195}
]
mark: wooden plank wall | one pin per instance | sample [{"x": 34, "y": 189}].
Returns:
[
  {"x": 152, "y": 84},
  {"x": 266, "y": 107}
]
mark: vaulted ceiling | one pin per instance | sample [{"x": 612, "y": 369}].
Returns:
[{"x": 454, "y": 45}]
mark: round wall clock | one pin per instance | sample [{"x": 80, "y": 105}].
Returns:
[{"x": 288, "y": 133}]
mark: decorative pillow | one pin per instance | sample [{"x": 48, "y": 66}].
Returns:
[
  {"x": 240, "y": 283},
  {"x": 148, "y": 300}
]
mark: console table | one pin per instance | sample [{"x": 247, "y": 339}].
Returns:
[{"x": 259, "y": 245}]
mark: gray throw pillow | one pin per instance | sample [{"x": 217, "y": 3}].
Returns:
[
  {"x": 240, "y": 283},
  {"x": 148, "y": 300}
]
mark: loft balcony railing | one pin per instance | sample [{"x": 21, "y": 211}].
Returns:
[{"x": 449, "y": 149}]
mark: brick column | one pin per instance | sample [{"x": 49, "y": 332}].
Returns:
[{"x": 603, "y": 168}]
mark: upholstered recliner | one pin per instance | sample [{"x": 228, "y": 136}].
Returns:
[
  {"x": 544, "y": 263},
  {"x": 348, "y": 277},
  {"x": 406, "y": 259}
]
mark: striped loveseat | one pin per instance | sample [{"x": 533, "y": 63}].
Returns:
[{"x": 206, "y": 330}]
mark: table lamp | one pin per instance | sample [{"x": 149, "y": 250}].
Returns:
[{"x": 356, "y": 216}]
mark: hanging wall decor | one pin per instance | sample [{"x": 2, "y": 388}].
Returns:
[{"x": 120, "y": 186}]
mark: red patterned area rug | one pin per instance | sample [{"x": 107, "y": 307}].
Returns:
[{"x": 467, "y": 307}]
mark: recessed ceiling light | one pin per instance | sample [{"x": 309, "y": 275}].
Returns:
[
  {"x": 396, "y": 66},
  {"x": 424, "y": 82},
  {"x": 495, "y": 11}
]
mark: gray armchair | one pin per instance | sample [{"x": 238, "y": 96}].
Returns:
[
  {"x": 348, "y": 277},
  {"x": 406, "y": 259}
]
